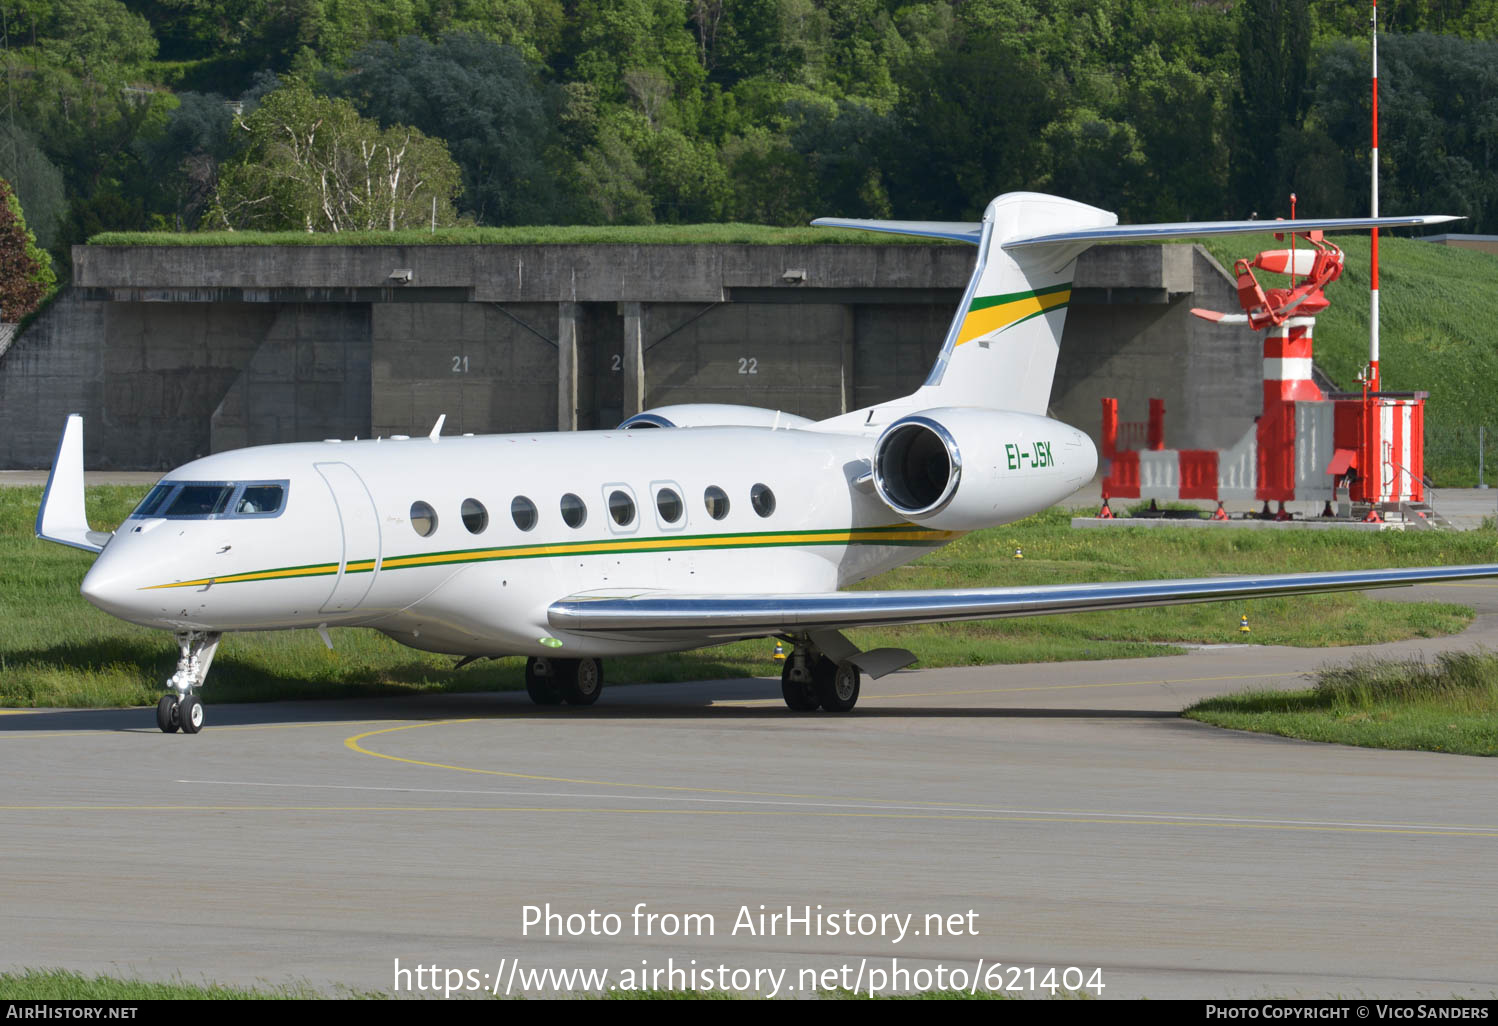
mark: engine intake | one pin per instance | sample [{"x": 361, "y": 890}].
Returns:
[
  {"x": 917, "y": 467},
  {"x": 964, "y": 468}
]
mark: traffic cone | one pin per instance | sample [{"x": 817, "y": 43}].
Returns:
[
  {"x": 1019, "y": 553},
  {"x": 1243, "y": 624},
  {"x": 779, "y": 652},
  {"x": 1221, "y": 513},
  {"x": 1105, "y": 513}
]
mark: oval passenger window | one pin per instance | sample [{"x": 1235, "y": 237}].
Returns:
[
  {"x": 423, "y": 519},
  {"x": 523, "y": 512},
  {"x": 668, "y": 505},
  {"x": 762, "y": 499},
  {"x": 475, "y": 516},
  {"x": 574, "y": 512},
  {"x": 716, "y": 501},
  {"x": 621, "y": 508}
]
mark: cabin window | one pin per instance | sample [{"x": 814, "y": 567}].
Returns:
[
  {"x": 423, "y": 519},
  {"x": 762, "y": 499},
  {"x": 574, "y": 511},
  {"x": 621, "y": 508},
  {"x": 475, "y": 516},
  {"x": 260, "y": 499},
  {"x": 153, "y": 500},
  {"x": 716, "y": 501},
  {"x": 199, "y": 500},
  {"x": 668, "y": 505},
  {"x": 211, "y": 500},
  {"x": 523, "y": 512}
]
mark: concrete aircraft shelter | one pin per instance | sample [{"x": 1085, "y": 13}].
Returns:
[{"x": 172, "y": 352}]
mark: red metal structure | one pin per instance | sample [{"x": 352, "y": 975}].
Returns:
[{"x": 1304, "y": 445}]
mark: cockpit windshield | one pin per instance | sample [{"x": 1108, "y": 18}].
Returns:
[{"x": 217, "y": 500}]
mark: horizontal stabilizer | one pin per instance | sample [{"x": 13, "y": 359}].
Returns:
[
  {"x": 1198, "y": 229},
  {"x": 956, "y": 231}
]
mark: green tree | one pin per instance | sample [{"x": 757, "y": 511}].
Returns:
[
  {"x": 182, "y": 162},
  {"x": 1438, "y": 130},
  {"x": 313, "y": 163},
  {"x": 968, "y": 126},
  {"x": 610, "y": 39},
  {"x": 36, "y": 180},
  {"x": 102, "y": 40},
  {"x": 534, "y": 27},
  {"x": 1274, "y": 46},
  {"x": 26, "y": 276},
  {"x": 485, "y": 99}
]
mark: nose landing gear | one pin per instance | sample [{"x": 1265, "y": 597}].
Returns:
[{"x": 179, "y": 708}]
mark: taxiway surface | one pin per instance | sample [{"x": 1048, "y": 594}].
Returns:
[{"x": 1067, "y": 805}]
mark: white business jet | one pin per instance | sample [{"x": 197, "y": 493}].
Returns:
[{"x": 688, "y": 526}]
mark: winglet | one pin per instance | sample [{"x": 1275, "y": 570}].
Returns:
[
  {"x": 61, "y": 517},
  {"x": 437, "y": 427}
]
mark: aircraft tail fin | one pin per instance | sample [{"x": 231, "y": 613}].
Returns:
[{"x": 1001, "y": 347}]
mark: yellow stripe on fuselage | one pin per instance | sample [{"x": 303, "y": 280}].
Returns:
[
  {"x": 990, "y": 319},
  {"x": 894, "y": 535}
]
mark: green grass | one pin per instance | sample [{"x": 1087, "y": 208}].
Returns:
[
  {"x": 56, "y": 650},
  {"x": 63, "y": 985},
  {"x": 1437, "y": 309},
  {"x": 530, "y": 235},
  {"x": 1450, "y": 705},
  {"x": 923, "y": 995}
]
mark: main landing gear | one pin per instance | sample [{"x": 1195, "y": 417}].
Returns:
[
  {"x": 810, "y": 681},
  {"x": 179, "y": 708},
  {"x": 554, "y": 681}
]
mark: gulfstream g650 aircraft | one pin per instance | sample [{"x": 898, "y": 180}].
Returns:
[{"x": 720, "y": 522}]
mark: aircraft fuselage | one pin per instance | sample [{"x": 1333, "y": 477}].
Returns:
[{"x": 344, "y": 549}]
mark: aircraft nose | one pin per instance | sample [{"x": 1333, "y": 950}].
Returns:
[{"x": 111, "y": 587}]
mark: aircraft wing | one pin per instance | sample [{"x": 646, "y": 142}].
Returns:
[{"x": 724, "y": 616}]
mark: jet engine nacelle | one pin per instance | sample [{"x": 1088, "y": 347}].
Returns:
[{"x": 960, "y": 469}]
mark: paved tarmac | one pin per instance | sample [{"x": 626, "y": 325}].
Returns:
[{"x": 1065, "y": 805}]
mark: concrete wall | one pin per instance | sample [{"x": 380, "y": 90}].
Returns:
[
  {"x": 53, "y": 368},
  {"x": 1130, "y": 335},
  {"x": 308, "y": 377},
  {"x": 489, "y": 368},
  {"x": 179, "y": 351}
]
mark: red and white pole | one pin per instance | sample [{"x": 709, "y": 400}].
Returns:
[{"x": 1373, "y": 382}]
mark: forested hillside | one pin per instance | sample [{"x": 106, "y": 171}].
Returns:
[{"x": 336, "y": 115}]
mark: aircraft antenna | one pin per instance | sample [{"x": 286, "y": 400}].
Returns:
[{"x": 1373, "y": 382}]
